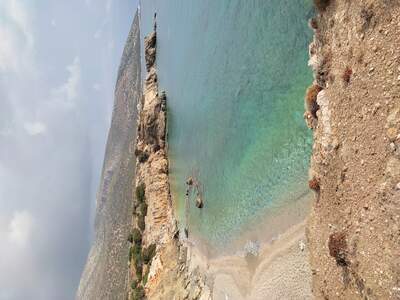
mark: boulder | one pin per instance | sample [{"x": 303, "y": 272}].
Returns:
[{"x": 199, "y": 202}]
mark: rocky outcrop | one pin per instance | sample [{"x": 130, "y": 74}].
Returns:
[
  {"x": 353, "y": 231},
  {"x": 150, "y": 50},
  {"x": 105, "y": 275},
  {"x": 165, "y": 273}
]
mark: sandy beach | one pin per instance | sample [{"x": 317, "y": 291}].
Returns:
[{"x": 279, "y": 270}]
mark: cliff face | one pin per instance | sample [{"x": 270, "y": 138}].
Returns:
[
  {"x": 105, "y": 275},
  {"x": 353, "y": 231},
  {"x": 159, "y": 268}
]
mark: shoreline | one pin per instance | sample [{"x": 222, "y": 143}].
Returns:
[
  {"x": 280, "y": 268},
  {"x": 263, "y": 229}
]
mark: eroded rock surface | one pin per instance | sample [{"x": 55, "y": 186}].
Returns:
[
  {"x": 354, "y": 232},
  {"x": 167, "y": 274}
]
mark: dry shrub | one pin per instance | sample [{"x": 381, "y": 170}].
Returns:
[
  {"x": 314, "y": 184},
  {"x": 141, "y": 193},
  {"x": 141, "y": 155},
  {"x": 149, "y": 253},
  {"x": 347, "y": 75},
  {"x": 366, "y": 15},
  {"x": 338, "y": 248},
  {"x": 321, "y": 5},
  {"x": 313, "y": 23},
  {"x": 311, "y": 99},
  {"x": 136, "y": 236}
]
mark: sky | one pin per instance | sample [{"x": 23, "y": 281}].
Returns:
[{"x": 58, "y": 66}]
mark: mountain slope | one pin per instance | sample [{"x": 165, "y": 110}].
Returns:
[
  {"x": 353, "y": 231},
  {"x": 105, "y": 275}
]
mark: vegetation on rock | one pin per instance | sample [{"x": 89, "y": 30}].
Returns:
[
  {"x": 141, "y": 223},
  {"x": 314, "y": 184},
  {"x": 347, "y": 75},
  {"x": 137, "y": 236},
  {"x": 321, "y": 5},
  {"x": 138, "y": 293},
  {"x": 311, "y": 99},
  {"x": 140, "y": 193},
  {"x": 149, "y": 253},
  {"x": 143, "y": 209},
  {"x": 338, "y": 248}
]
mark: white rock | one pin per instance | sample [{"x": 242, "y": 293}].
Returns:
[{"x": 302, "y": 245}]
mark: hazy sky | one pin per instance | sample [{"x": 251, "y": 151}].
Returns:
[{"x": 58, "y": 64}]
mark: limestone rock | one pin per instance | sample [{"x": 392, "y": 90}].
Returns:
[{"x": 150, "y": 49}]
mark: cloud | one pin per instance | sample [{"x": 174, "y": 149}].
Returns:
[
  {"x": 20, "y": 228},
  {"x": 68, "y": 92},
  {"x": 19, "y": 15},
  {"x": 98, "y": 34},
  {"x": 110, "y": 45},
  {"x": 17, "y": 40},
  {"x": 8, "y": 59},
  {"x": 5, "y": 132},
  {"x": 109, "y": 5},
  {"x": 96, "y": 86},
  {"x": 35, "y": 128},
  {"x": 52, "y": 137}
]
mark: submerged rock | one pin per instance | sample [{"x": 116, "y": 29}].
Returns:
[
  {"x": 189, "y": 181},
  {"x": 199, "y": 202}
]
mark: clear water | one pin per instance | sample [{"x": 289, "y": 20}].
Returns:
[{"x": 235, "y": 73}]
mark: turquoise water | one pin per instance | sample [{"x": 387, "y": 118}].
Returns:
[{"x": 235, "y": 73}]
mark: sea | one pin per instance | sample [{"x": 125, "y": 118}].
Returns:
[{"x": 235, "y": 73}]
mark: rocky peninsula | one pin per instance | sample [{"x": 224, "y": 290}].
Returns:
[{"x": 159, "y": 266}]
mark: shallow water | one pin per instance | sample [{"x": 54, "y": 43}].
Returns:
[{"x": 235, "y": 73}]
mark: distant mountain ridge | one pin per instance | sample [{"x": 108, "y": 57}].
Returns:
[{"x": 105, "y": 275}]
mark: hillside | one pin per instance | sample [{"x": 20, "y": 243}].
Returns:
[
  {"x": 105, "y": 275},
  {"x": 353, "y": 231}
]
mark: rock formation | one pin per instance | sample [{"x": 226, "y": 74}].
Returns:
[
  {"x": 105, "y": 274},
  {"x": 354, "y": 228},
  {"x": 163, "y": 274}
]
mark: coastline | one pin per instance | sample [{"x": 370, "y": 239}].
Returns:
[
  {"x": 279, "y": 270},
  {"x": 263, "y": 229},
  {"x": 269, "y": 257}
]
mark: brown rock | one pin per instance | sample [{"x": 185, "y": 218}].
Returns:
[
  {"x": 392, "y": 134},
  {"x": 150, "y": 49},
  {"x": 338, "y": 248},
  {"x": 199, "y": 202}
]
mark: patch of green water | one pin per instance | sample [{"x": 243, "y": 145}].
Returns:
[{"x": 235, "y": 73}]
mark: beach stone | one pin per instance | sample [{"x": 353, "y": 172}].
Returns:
[
  {"x": 189, "y": 181},
  {"x": 393, "y": 167},
  {"x": 392, "y": 134},
  {"x": 252, "y": 247},
  {"x": 199, "y": 202},
  {"x": 302, "y": 245}
]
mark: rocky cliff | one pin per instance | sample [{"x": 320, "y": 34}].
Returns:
[
  {"x": 105, "y": 275},
  {"x": 158, "y": 263},
  {"x": 354, "y": 109}
]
